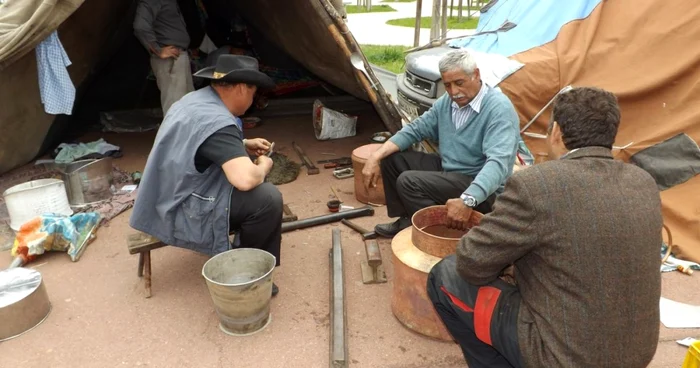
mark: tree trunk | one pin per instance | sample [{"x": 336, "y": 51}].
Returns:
[
  {"x": 459, "y": 12},
  {"x": 419, "y": 11},
  {"x": 469, "y": 9},
  {"x": 444, "y": 20},
  {"x": 435, "y": 21}
]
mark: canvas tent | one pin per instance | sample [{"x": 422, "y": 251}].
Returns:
[
  {"x": 647, "y": 52},
  {"x": 97, "y": 36}
]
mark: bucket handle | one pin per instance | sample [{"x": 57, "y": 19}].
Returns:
[{"x": 670, "y": 244}]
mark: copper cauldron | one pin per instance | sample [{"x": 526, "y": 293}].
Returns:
[{"x": 415, "y": 251}]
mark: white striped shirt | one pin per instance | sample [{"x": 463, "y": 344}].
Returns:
[{"x": 460, "y": 115}]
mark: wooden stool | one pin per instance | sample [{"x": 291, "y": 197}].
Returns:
[{"x": 143, "y": 244}]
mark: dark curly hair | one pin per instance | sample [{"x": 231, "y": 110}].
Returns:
[{"x": 587, "y": 116}]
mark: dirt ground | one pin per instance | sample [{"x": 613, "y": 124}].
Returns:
[{"x": 100, "y": 317}]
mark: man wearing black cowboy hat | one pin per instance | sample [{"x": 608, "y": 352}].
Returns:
[{"x": 200, "y": 183}]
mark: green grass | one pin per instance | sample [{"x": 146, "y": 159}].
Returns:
[
  {"x": 425, "y": 22},
  {"x": 388, "y": 57},
  {"x": 354, "y": 9}
]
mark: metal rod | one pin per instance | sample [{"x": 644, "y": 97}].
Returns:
[
  {"x": 565, "y": 89},
  {"x": 326, "y": 219},
  {"x": 338, "y": 342}
]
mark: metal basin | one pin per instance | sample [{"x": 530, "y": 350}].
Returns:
[
  {"x": 88, "y": 181},
  {"x": 24, "y": 303}
]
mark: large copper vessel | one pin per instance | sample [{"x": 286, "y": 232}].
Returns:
[
  {"x": 359, "y": 158},
  {"x": 415, "y": 251}
]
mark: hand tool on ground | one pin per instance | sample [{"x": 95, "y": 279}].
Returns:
[
  {"x": 326, "y": 219},
  {"x": 372, "y": 268},
  {"x": 344, "y": 173},
  {"x": 287, "y": 214},
  {"x": 332, "y": 165},
  {"x": 338, "y": 354},
  {"x": 340, "y": 161},
  {"x": 336, "y": 194},
  {"x": 366, "y": 235},
  {"x": 310, "y": 168}
]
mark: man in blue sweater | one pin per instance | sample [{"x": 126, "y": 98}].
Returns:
[{"x": 477, "y": 129}]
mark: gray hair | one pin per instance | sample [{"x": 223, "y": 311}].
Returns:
[{"x": 458, "y": 59}]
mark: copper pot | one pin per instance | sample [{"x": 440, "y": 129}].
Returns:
[
  {"x": 430, "y": 234},
  {"x": 415, "y": 251}
]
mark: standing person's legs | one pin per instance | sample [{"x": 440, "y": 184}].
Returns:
[
  {"x": 174, "y": 78},
  {"x": 257, "y": 216},
  {"x": 483, "y": 319}
]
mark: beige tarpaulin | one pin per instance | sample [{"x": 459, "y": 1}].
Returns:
[
  {"x": 25, "y": 23},
  {"x": 648, "y": 53},
  {"x": 310, "y": 31}
]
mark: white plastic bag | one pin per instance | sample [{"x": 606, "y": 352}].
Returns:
[{"x": 330, "y": 124}]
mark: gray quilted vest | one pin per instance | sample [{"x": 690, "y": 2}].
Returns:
[{"x": 176, "y": 203}]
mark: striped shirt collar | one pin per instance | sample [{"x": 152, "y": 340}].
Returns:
[{"x": 475, "y": 103}]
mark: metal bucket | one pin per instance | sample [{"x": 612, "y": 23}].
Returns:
[
  {"x": 88, "y": 181},
  {"x": 240, "y": 285},
  {"x": 24, "y": 303},
  {"x": 28, "y": 200}
]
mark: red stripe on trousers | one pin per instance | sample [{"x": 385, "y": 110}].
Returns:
[
  {"x": 486, "y": 300},
  {"x": 460, "y": 304}
]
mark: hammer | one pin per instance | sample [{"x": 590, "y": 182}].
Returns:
[{"x": 366, "y": 235}]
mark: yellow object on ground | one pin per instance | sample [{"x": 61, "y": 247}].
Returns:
[{"x": 692, "y": 358}]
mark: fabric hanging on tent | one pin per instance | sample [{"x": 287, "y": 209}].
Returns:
[
  {"x": 56, "y": 88},
  {"x": 671, "y": 162}
]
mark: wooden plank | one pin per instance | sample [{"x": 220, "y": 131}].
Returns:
[
  {"x": 141, "y": 242},
  {"x": 338, "y": 340}
]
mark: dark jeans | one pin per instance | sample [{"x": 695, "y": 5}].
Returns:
[
  {"x": 256, "y": 217},
  {"x": 415, "y": 180},
  {"x": 483, "y": 319}
]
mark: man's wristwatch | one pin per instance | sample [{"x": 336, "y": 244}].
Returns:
[{"x": 469, "y": 201}]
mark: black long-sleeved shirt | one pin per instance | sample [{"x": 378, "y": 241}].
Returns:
[{"x": 159, "y": 23}]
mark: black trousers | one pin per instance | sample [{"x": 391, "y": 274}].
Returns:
[
  {"x": 256, "y": 217},
  {"x": 415, "y": 180},
  {"x": 483, "y": 319}
]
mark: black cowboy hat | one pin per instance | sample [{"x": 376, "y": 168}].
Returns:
[{"x": 237, "y": 69}]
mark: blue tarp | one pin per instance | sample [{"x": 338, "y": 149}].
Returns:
[{"x": 537, "y": 23}]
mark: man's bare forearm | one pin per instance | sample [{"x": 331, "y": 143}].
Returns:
[{"x": 385, "y": 150}]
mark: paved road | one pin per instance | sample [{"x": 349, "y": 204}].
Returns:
[{"x": 371, "y": 28}]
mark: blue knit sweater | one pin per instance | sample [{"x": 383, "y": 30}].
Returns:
[{"x": 483, "y": 148}]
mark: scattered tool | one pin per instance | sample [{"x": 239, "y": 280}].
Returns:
[
  {"x": 326, "y": 219},
  {"x": 287, "y": 214},
  {"x": 333, "y": 165},
  {"x": 372, "y": 268},
  {"x": 345, "y": 173},
  {"x": 338, "y": 332},
  {"x": 340, "y": 161},
  {"x": 366, "y": 235},
  {"x": 333, "y": 205},
  {"x": 336, "y": 194},
  {"x": 310, "y": 168}
]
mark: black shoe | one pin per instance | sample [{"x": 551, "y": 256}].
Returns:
[
  {"x": 275, "y": 289},
  {"x": 391, "y": 229}
]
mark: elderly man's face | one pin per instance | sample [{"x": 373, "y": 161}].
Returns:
[{"x": 461, "y": 87}]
